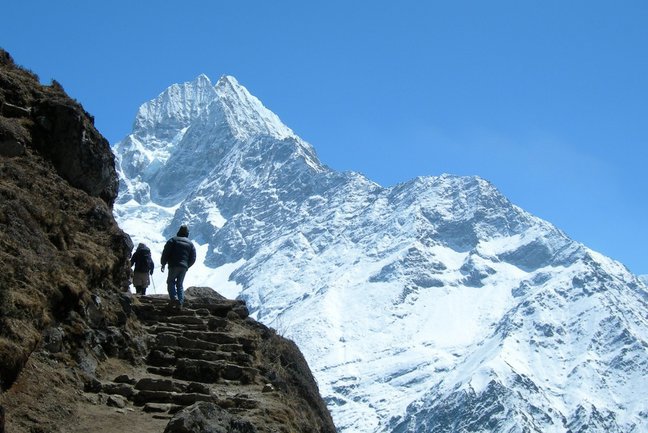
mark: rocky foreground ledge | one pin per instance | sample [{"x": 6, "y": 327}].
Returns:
[{"x": 207, "y": 367}]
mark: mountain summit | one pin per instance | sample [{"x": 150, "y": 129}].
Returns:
[
  {"x": 179, "y": 137},
  {"x": 434, "y": 305}
]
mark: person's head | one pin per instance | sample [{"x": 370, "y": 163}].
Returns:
[
  {"x": 183, "y": 231},
  {"x": 141, "y": 245}
]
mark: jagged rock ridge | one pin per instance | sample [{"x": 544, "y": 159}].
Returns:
[{"x": 434, "y": 305}]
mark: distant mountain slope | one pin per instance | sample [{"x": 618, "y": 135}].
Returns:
[{"x": 434, "y": 305}]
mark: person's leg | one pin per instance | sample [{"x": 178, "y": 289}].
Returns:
[
  {"x": 138, "y": 290},
  {"x": 137, "y": 283},
  {"x": 146, "y": 283},
  {"x": 179, "y": 287},
  {"x": 171, "y": 284}
]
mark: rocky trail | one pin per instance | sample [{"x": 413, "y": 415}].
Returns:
[
  {"x": 190, "y": 359},
  {"x": 204, "y": 352}
]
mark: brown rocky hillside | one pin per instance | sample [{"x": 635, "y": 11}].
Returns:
[{"x": 78, "y": 352}]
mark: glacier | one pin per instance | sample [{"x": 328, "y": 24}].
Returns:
[{"x": 435, "y": 305}]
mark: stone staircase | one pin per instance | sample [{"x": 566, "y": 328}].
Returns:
[{"x": 202, "y": 352}]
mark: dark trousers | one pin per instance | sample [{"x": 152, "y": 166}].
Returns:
[{"x": 174, "y": 283}]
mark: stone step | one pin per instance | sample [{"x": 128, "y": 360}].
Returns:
[
  {"x": 168, "y": 347},
  {"x": 213, "y": 371},
  {"x": 160, "y": 358},
  {"x": 218, "y": 307},
  {"x": 166, "y": 356},
  {"x": 209, "y": 355},
  {"x": 211, "y": 336},
  {"x": 167, "y": 332},
  {"x": 239, "y": 403},
  {"x": 165, "y": 310},
  {"x": 183, "y": 399},
  {"x": 124, "y": 389},
  {"x": 188, "y": 343},
  {"x": 175, "y": 320},
  {"x": 150, "y": 384},
  {"x": 202, "y": 312},
  {"x": 153, "y": 300},
  {"x": 159, "y": 327},
  {"x": 161, "y": 371},
  {"x": 153, "y": 312},
  {"x": 172, "y": 336},
  {"x": 167, "y": 339},
  {"x": 216, "y": 323},
  {"x": 169, "y": 385}
]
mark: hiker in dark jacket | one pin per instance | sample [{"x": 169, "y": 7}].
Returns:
[
  {"x": 143, "y": 268},
  {"x": 180, "y": 254}
]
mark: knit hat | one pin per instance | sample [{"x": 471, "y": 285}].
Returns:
[{"x": 183, "y": 231}]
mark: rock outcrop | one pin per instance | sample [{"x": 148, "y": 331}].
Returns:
[
  {"x": 68, "y": 324},
  {"x": 65, "y": 260}
]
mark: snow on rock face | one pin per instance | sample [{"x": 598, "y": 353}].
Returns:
[
  {"x": 159, "y": 126},
  {"x": 568, "y": 354},
  {"x": 246, "y": 114},
  {"x": 435, "y": 305},
  {"x": 174, "y": 109}
]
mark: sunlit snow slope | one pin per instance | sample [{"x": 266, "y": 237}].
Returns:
[{"x": 433, "y": 306}]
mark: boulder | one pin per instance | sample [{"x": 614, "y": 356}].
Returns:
[
  {"x": 203, "y": 295},
  {"x": 207, "y": 417},
  {"x": 124, "y": 378},
  {"x": 53, "y": 339},
  {"x": 116, "y": 401}
]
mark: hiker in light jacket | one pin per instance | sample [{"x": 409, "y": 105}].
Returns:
[
  {"x": 180, "y": 254},
  {"x": 143, "y": 268}
]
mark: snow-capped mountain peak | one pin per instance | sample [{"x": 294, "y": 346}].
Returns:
[
  {"x": 160, "y": 124},
  {"x": 194, "y": 128}
]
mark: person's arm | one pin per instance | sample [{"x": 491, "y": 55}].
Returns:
[
  {"x": 192, "y": 255},
  {"x": 165, "y": 255},
  {"x": 151, "y": 265}
]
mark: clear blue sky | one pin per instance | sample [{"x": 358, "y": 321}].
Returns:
[{"x": 547, "y": 99}]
